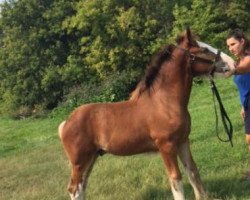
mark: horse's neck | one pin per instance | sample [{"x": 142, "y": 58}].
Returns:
[{"x": 177, "y": 82}]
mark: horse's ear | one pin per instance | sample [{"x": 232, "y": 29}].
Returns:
[
  {"x": 189, "y": 40},
  {"x": 185, "y": 39},
  {"x": 189, "y": 35}
]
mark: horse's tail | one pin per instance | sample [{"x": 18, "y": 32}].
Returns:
[{"x": 60, "y": 129}]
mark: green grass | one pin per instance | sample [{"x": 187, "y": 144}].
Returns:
[{"x": 33, "y": 164}]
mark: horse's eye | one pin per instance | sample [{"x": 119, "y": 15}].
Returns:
[{"x": 205, "y": 50}]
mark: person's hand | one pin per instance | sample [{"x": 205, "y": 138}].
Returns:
[
  {"x": 230, "y": 72},
  {"x": 242, "y": 113},
  {"x": 230, "y": 64}
]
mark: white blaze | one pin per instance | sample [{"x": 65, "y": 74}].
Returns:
[{"x": 226, "y": 58}]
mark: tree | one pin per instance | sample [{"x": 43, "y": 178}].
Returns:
[
  {"x": 209, "y": 19},
  {"x": 204, "y": 18},
  {"x": 117, "y": 38},
  {"x": 237, "y": 14},
  {"x": 118, "y": 35},
  {"x": 34, "y": 47},
  {"x": 51, "y": 47}
]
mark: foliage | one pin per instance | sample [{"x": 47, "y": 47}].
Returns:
[
  {"x": 33, "y": 48},
  {"x": 238, "y": 14},
  {"x": 116, "y": 35},
  {"x": 209, "y": 19},
  {"x": 204, "y": 19},
  {"x": 115, "y": 87},
  {"x": 51, "y": 48}
]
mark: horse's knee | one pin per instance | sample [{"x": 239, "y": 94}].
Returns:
[{"x": 175, "y": 175}]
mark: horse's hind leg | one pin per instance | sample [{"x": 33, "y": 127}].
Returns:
[
  {"x": 192, "y": 171},
  {"x": 79, "y": 176}
]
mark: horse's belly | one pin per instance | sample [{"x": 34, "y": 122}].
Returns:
[{"x": 130, "y": 145}]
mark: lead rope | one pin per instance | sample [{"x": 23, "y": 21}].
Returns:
[{"x": 224, "y": 117}]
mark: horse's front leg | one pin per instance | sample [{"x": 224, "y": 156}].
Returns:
[
  {"x": 169, "y": 155},
  {"x": 192, "y": 171}
]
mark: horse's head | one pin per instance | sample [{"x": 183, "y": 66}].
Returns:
[{"x": 202, "y": 58}]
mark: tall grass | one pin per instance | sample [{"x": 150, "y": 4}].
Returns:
[{"x": 33, "y": 164}]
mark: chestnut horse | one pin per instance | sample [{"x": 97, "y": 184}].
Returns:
[{"x": 155, "y": 118}]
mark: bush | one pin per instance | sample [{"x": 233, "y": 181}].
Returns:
[{"x": 115, "y": 87}]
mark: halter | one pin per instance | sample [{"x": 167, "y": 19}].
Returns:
[{"x": 194, "y": 58}]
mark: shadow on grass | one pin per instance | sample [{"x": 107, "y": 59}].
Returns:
[
  {"x": 229, "y": 188},
  {"x": 225, "y": 189},
  {"x": 155, "y": 193}
]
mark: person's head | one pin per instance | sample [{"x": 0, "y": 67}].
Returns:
[{"x": 238, "y": 44}]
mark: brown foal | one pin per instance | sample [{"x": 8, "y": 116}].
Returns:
[{"x": 155, "y": 118}]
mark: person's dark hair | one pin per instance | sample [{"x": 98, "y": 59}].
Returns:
[{"x": 238, "y": 34}]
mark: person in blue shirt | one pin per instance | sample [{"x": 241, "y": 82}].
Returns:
[{"x": 239, "y": 45}]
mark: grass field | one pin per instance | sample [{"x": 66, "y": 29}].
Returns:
[{"x": 33, "y": 164}]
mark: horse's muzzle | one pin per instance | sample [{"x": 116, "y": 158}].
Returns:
[{"x": 221, "y": 67}]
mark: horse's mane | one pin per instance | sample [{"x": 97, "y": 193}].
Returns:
[{"x": 152, "y": 70}]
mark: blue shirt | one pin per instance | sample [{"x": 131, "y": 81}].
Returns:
[{"x": 242, "y": 82}]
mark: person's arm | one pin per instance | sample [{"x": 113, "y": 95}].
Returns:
[{"x": 244, "y": 66}]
